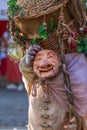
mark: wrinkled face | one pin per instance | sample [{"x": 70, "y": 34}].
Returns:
[{"x": 46, "y": 64}]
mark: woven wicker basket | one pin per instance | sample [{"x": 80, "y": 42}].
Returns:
[
  {"x": 53, "y": 44},
  {"x": 29, "y": 26},
  {"x": 34, "y": 12},
  {"x": 36, "y": 8}
]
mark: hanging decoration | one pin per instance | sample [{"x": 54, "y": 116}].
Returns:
[{"x": 43, "y": 30}]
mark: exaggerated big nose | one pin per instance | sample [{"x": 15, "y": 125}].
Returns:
[{"x": 44, "y": 64}]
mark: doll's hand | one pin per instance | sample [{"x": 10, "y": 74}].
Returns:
[{"x": 33, "y": 50}]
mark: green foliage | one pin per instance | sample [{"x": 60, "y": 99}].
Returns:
[
  {"x": 43, "y": 29},
  {"x": 82, "y": 47},
  {"x": 43, "y": 32},
  {"x": 83, "y": 41},
  {"x": 35, "y": 41},
  {"x": 79, "y": 48},
  {"x": 13, "y": 8},
  {"x": 52, "y": 25},
  {"x": 44, "y": 35},
  {"x": 17, "y": 32}
]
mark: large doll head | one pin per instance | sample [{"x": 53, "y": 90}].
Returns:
[{"x": 46, "y": 64}]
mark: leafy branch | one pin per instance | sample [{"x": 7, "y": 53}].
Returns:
[{"x": 13, "y": 8}]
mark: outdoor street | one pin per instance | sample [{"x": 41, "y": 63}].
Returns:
[{"x": 13, "y": 109}]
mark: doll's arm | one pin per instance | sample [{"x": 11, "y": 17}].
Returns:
[
  {"x": 28, "y": 75},
  {"x": 26, "y": 67}
]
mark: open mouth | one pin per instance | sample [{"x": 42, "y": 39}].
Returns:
[
  {"x": 46, "y": 72},
  {"x": 45, "y": 69}
]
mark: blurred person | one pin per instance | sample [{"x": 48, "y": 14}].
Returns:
[
  {"x": 14, "y": 77},
  {"x": 5, "y": 39}
]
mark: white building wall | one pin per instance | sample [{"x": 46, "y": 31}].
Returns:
[{"x": 3, "y": 9}]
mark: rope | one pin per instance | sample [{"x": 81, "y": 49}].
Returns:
[{"x": 66, "y": 74}]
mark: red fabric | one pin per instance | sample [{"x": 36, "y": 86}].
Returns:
[
  {"x": 3, "y": 66},
  {"x": 3, "y": 62},
  {"x": 13, "y": 73},
  {"x": 3, "y": 27}
]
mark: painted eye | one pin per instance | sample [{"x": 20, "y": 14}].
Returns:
[
  {"x": 49, "y": 57},
  {"x": 39, "y": 58}
]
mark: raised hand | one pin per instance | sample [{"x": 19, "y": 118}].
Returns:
[{"x": 31, "y": 53}]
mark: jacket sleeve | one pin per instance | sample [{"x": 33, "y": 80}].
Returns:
[{"x": 28, "y": 74}]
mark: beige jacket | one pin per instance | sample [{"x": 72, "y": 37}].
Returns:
[{"x": 42, "y": 116}]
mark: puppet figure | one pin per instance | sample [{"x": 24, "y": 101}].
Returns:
[
  {"x": 54, "y": 82},
  {"x": 44, "y": 109},
  {"x": 44, "y": 81}
]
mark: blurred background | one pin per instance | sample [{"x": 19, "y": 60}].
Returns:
[{"x": 13, "y": 97}]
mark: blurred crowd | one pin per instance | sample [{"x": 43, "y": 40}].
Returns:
[{"x": 9, "y": 71}]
